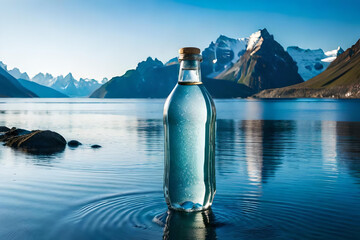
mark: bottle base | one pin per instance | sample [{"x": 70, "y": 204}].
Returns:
[{"x": 189, "y": 206}]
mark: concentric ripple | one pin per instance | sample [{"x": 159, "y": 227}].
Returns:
[
  {"x": 143, "y": 215},
  {"x": 124, "y": 216}
]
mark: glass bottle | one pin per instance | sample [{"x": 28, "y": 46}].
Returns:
[{"x": 189, "y": 124}]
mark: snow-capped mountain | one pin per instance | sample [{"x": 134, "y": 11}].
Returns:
[
  {"x": 222, "y": 54},
  {"x": 265, "y": 64},
  {"x": 15, "y": 72},
  {"x": 42, "y": 79},
  {"x": 312, "y": 62},
  {"x": 68, "y": 85},
  {"x": 254, "y": 41}
]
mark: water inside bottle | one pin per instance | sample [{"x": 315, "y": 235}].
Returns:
[{"x": 189, "y": 155}]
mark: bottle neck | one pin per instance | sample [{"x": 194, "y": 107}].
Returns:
[{"x": 189, "y": 72}]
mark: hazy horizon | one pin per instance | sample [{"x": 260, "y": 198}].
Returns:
[{"x": 97, "y": 39}]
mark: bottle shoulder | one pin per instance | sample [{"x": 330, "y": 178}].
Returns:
[{"x": 191, "y": 100}]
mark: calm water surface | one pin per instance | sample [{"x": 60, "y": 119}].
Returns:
[{"x": 286, "y": 169}]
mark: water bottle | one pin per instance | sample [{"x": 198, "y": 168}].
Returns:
[{"x": 189, "y": 124}]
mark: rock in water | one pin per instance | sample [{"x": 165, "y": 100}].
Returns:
[
  {"x": 95, "y": 146},
  {"x": 74, "y": 143},
  {"x": 13, "y": 132},
  {"x": 17, "y": 132},
  {"x": 37, "y": 142}
]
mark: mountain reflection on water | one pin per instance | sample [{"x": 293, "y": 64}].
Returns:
[{"x": 285, "y": 170}]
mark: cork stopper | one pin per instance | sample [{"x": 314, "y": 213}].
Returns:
[
  {"x": 189, "y": 53},
  {"x": 189, "y": 50}
]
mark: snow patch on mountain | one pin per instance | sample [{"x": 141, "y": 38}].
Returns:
[
  {"x": 332, "y": 55},
  {"x": 335, "y": 52},
  {"x": 253, "y": 40},
  {"x": 42, "y": 79},
  {"x": 237, "y": 46},
  {"x": 312, "y": 62},
  {"x": 222, "y": 54}
]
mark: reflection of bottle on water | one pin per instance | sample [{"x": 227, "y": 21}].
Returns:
[
  {"x": 189, "y": 121},
  {"x": 182, "y": 225}
]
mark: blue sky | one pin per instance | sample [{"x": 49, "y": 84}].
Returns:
[{"x": 97, "y": 39}]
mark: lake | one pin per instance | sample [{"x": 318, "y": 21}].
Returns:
[{"x": 285, "y": 169}]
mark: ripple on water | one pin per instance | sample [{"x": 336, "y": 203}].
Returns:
[
  {"x": 143, "y": 215},
  {"x": 140, "y": 215}
]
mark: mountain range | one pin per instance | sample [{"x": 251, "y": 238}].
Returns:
[
  {"x": 230, "y": 68},
  {"x": 340, "y": 80},
  {"x": 66, "y": 86}
]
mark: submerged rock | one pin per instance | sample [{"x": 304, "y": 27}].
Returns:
[
  {"x": 37, "y": 141},
  {"x": 74, "y": 143},
  {"x": 95, "y": 146}
]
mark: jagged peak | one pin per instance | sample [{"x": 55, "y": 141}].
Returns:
[
  {"x": 48, "y": 75},
  {"x": 150, "y": 60},
  {"x": 264, "y": 33},
  {"x": 59, "y": 77},
  {"x": 257, "y": 38},
  {"x": 149, "y": 63},
  {"x": 69, "y": 75},
  {"x": 3, "y": 65},
  {"x": 339, "y": 50},
  {"x": 40, "y": 74}
]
